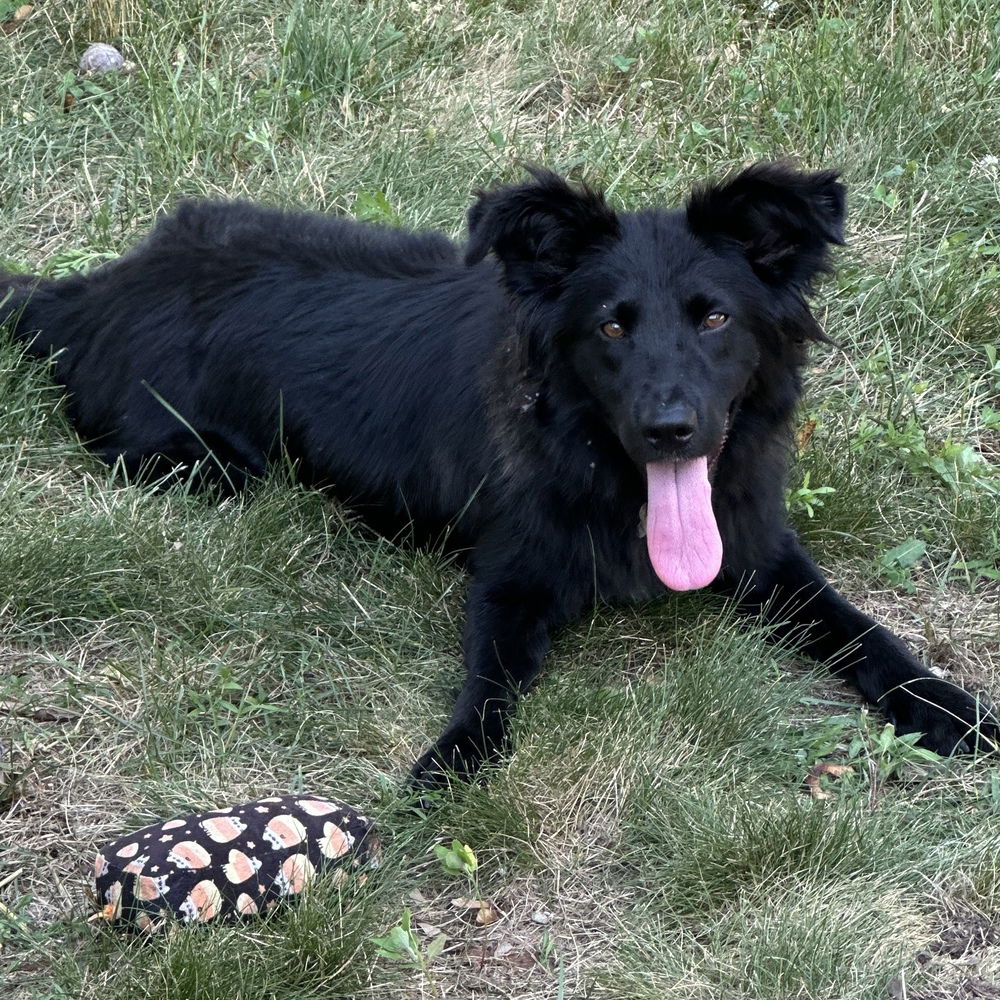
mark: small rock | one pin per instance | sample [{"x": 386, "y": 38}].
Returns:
[{"x": 99, "y": 59}]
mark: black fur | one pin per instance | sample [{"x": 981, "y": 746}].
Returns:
[{"x": 484, "y": 400}]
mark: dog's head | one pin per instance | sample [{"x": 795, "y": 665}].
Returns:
[{"x": 664, "y": 318}]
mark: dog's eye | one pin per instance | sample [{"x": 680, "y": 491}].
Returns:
[
  {"x": 714, "y": 320},
  {"x": 613, "y": 329}
]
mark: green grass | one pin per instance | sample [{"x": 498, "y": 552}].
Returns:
[{"x": 649, "y": 837}]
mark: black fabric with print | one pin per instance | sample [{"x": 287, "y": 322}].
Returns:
[{"x": 230, "y": 862}]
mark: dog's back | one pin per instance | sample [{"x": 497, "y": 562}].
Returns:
[
  {"x": 311, "y": 241},
  {"x": 227, "y": 239},
  {"x": 242, "y": 331}
]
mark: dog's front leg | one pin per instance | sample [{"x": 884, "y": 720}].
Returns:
[
  {"x": 507, "y": 632},
  {"x": 804, "y": 608}
]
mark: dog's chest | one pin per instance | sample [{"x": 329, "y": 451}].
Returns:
[{"x": 623, "y": 571}]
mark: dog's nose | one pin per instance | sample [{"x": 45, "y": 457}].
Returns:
[{"x": 672, "y": 427}]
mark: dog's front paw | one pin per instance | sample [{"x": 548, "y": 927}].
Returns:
[
  {"x": 951, "y": 720},
  {"x": 457, "y": 756}
]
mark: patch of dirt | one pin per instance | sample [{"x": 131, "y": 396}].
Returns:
[
  {"x": 968, "y": 989},
  {"x": 947, "y": 627},
  {"x": 965, "y": 947},
  {"x": 989, "y": 446},
  {"x": 528, "y": 945},
  {"x": 965, "y": 933}
]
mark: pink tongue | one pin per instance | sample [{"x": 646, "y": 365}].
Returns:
[{"x": 683, "y": 538}]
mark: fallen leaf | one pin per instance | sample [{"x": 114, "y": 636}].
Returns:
[
  {"x": 830, "y": 771},
  {"x": 54, "y": 715},
  {"x": 487, "y": 912},
  {"x": 522, "y": 960},
  {"x": 436, "y": 947},
  {"x": 17, "y": 19},
  {"x": 429, "y": 930},
  {"x": 804, "y": 435},
  {"x": 478, "y": 953},
  {"x": 512, "y": 952}
]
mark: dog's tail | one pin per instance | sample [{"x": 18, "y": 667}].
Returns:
[
  {"x": 15, "y": 293},
  {"x": 32, "y": 311}
]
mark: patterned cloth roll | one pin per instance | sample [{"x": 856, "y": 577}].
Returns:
[{"x": 228, "y": 863}]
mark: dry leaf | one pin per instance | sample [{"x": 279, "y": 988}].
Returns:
[
  {"x": 429, "y": 930},
  {"x": 487, "y": 912},
  {"x": 513, "y": 952},
  {"x": 55, "y": 715},
  {"x": 522, "y": 960},
  {"x": 477, "y": 953},
  {"x": 819, "y": 771},
  {"x": 804, "y": 435},
  {"x": 16, "y": 19},
  {"x": 41, "y": 714}
]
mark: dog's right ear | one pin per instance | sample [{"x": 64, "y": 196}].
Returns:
[{"x": 539, "y": 230}]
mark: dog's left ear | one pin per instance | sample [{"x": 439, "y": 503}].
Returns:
[
  {"x": 538, "y": 230},
  {"x": 784, "y": 219}
]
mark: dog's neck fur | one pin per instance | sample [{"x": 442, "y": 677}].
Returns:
[{"x": 521, "y": 399}]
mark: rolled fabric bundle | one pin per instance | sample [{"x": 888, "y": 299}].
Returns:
[{"x": 228, "y": 863}]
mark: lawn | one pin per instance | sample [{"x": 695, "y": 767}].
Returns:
[{"x": 651, "y": 837}]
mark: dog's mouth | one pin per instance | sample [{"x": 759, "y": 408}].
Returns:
[
  {"x": 682, "y": 535},
  {"x": 716, "y": 452}
]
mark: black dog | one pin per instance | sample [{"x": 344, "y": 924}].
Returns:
[{"x": 596, "y": 405}]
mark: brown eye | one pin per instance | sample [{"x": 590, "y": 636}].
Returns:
[
  {"x": 714, "y": 320},
  {"x": 612, "y": 329}
]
